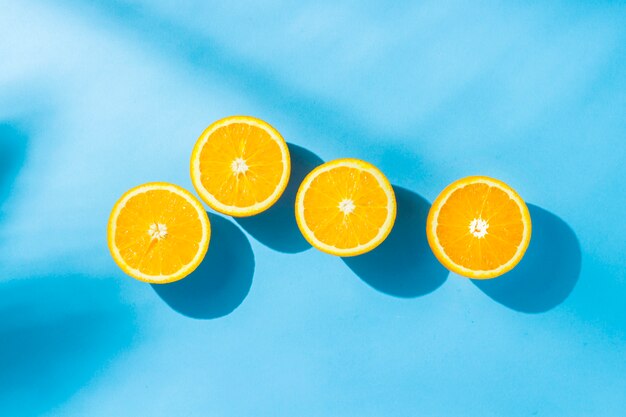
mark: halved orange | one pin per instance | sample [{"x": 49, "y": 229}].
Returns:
[
  {"x": 479, "y": 227},
  {"x": 345, "y": 207},
  {"x": 158, "y": 232},
  {"x": 240, "y": 166}
]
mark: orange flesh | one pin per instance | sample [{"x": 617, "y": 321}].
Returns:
[
  {"x": 504, "y": 234},
  {"x": 261, "y": 154},
  {"x": 328, "y": 223},
  {"x": 150, "y": 255}
]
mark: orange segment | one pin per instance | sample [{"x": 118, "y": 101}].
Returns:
[
  {"x": 240, "y": 166},
  {"x": 158, "y": 232},
  {"x": 479, "y": 227},
  {"x": 345, "y": 207}
]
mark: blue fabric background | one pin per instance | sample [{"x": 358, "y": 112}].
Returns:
[{"x": 100, "y": 96}]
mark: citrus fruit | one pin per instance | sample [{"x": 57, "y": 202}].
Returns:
[
  {"x": 158, "y": 232},
  {"x": 240, "y": 166},
  {"x": 345, "y": 207},
  {"x": 479, "y": 227}
]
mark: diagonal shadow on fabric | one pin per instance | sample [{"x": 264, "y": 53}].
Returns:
[
  {"x": 13, "y": 145},
  {"x": 207, "y": 58}
]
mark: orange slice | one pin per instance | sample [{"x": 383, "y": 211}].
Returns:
[
  {"x": 345, "y": 207},
  {"x": 240, "y": 166},
  {"x": 158, "y": 232},
  {"x": 479, "y": 227}
]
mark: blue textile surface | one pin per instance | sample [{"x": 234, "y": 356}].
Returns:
[{"x": 99, "y": 96}]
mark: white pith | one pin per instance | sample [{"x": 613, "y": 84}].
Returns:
[
  {"x": 157, "y": 231},
  {"x": 478, "y": 227},
  {"x": 346, "y": 206},
  {"x": 239, "y": 166}
]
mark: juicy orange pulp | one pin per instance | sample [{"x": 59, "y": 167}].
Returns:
[
  {"x": 240, "y": 166},
  {"x": 481, "y": 229},
  {"x": 158, "y": 232},
  {"x": 345, "y": 207}
]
